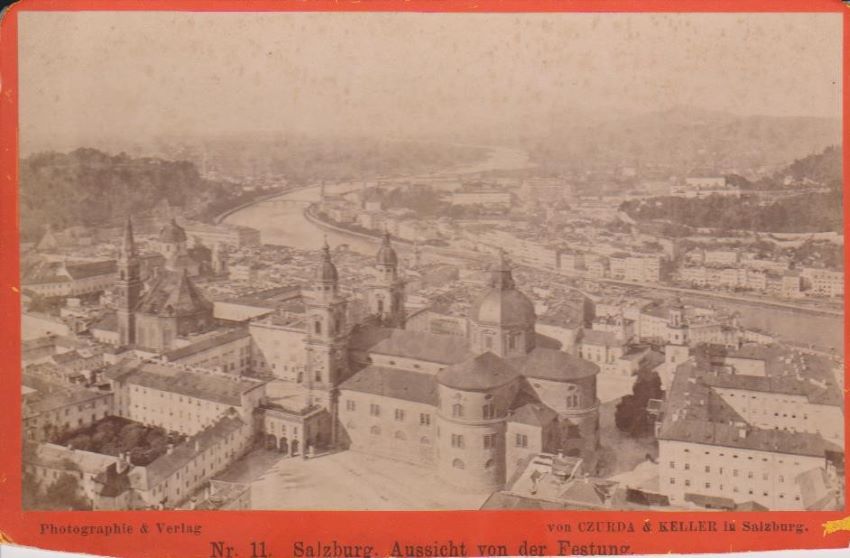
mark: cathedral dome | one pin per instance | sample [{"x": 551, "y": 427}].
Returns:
[
  {"x": 503, "y": 304},
  {"x": 505, "y": 308},
  {"x": 172, "y": 233},
  {"x": 386, "y": 254},
  {"x": 326, "y": 271}
]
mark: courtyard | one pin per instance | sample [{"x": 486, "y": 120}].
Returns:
[{"x": 344, "y": 480}]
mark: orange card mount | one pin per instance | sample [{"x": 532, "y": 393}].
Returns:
[{"x": 422, "y": 278}]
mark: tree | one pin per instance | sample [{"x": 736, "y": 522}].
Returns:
[
  {"x": 631, "y": 415},
  {"x": 65, "y": 492}
]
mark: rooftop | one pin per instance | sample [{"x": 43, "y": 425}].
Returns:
[
  {"x": 432, "y": 347},
  {"x": 209, "y": 386},
  {"x": 394, "y": 383}
]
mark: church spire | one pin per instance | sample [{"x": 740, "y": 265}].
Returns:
[{"x": 128, "y": 245}]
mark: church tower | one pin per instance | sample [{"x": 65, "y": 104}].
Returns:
[
  {"x": 386, "y": 293},
  {"x": 326, "y": 342},
  {"x": 129, "y": 287}
]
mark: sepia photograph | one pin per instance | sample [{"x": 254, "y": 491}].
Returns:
[{"x": 431, "y": 261}]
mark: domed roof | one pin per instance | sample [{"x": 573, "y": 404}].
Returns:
[
  {"x": 480, "y": 373},
  {"x": 503, "y": 304},
  {"x": 386, "y": 253},
  {"x": 326, "y": 271},
  {"x": 172, "y": 233},
  {"x": 506, "y": 308}
]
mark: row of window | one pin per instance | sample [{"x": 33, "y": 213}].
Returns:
[
  {"x": 735, "y": 489},
  {"x": 735, "y": 456},
  {"x": 719, "y": 470}
]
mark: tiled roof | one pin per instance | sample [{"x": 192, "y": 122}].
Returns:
[
  {"x": 207, "y": 343},
  {"x": 107, "y": 322},
  {"x": 533, "y": 414},
  {"x": 60, "y": 457},
  {"x": 549, "y": 364},
  {"x": 482, "y": 372},
  {"x": 214, "y": 387},
  {"x": 59, "y": 400},
  {"x": 174, "y": 294},
  {"x": 694, "y": 413},
  {"x": 728, "y": 435},
  {"x": 432, "y": 347},
  {"x": 597, "y": 337},
  {"x": 83, "y": 270},
  {"x": 394, "y": 383},
  {"x": 169, "y": 463}
]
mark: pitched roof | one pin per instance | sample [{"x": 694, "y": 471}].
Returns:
[
  {"x": 597, "y": 337},
  {"x": 174, "y": 294},
  {"x": 207, "y": 343},
  {"x": 550, "y": 364},
  {"x": 169, "y": 463},
  {"x": 533, "y": 414},
  {"x": 432, "y": 347},
  {"x": 107, "y": 322},
  {"x": 479, "y": 373},
  {"x": 83, "y": 270},
  {"x": 218, "y": 388},
  {"x": 394, "y": 383}
]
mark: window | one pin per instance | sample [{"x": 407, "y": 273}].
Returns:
[
  {"x": 707, "y": 468},
  {"x": 399, "y": 415},
  {"x": 399, "y": 435},
  {"x": 375, "y": 430},
  {"x": 687, "y": 466},
  {"x": 489, "y": 441},
  {"x": 457, "y": 410},
  {"x": 457, "y": 441},
  {"x": 350, "y": 405},
  {"x": 375, "y": 410},
  {"x": 488, "y": 411},
  {"x": 672, "y": 480},
  {"x": 521, "y": 441},
  {"x": 424, "y": 419},
  {"x": 317, "y": 327},
  {"x": 425, "y": 441},
  {"x": 672, "y": 464},
  {"x": 457, "y": 464},
  {"x": 687, "y": 482}
]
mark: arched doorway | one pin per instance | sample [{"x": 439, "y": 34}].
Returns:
[
  {"x": 284, "y": 446},
  {"x": 271, "y": 441},
  {"x": 294, "y": 447}
]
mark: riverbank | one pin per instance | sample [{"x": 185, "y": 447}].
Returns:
[{"x": 312, "y": 216}]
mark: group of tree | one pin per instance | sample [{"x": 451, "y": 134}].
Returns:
[
  {"x": 807, "y": 212},
  {"x": 114, "y": 436},
  {"x": 91, "y": 188},
  {"x": 631, "y": 415}
]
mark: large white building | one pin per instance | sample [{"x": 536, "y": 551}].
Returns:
[{"x": 758, "y": 426}]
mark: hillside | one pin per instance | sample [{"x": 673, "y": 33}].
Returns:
[
  {"x": 808, "y": 212},
  {"x": 685, "y": 138},
  {"x": 89, "y": 187}
]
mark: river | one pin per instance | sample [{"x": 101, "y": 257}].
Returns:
[{"x": 281, "y": 221}]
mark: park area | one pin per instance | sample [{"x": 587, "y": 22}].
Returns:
[{"x": 116, "y": 435}]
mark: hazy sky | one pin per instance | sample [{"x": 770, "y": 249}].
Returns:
[{"x": 137, "y": 75}]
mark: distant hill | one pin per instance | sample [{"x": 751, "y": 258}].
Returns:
[
  {"x": 686, "y": 138},
  {"x": 89, "y": 187},
  {"x": 818, "y": 170}
]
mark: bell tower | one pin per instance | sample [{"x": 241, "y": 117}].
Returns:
[
  {"x": 386, "y": 293},
  {"x": 326, "y": 342},
  {"x": 129, "y": 287}
]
